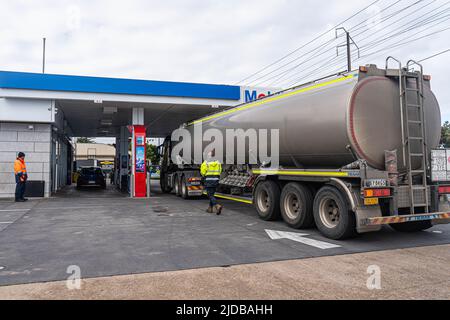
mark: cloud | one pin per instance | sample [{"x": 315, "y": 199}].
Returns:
[{"x": 181, "y": 40}]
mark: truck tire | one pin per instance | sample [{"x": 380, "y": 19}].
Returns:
[
  {"x": 177, "y": 186},
  {"x": 267, "y": 200},
  {"x": 296, "y": 204},
  {"x": 332, "y": 215},
  {"x": 184, "y": 188},
  {"x": 413, "y": 226}
]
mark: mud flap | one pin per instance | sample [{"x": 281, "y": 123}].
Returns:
[{"x": 362, "y": 214}]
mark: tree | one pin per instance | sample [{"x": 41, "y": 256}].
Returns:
[
  {"x": 445, "y": 134},
  {"x": 85, "y": 140},
  {"x": 152, "y": 154}
]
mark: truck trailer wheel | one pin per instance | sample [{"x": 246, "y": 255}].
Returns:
[
  {"x": 184, "y": 188},
  {"x": 267, "y": 200},
  {"x": 414, "y": 226},
  {"x": 297, "y": 206},
  {"x": 332, "y": 215},
  {"x": 177, "y": 186}
]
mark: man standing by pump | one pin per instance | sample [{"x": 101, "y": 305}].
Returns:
[
  {"x": 211, "y": 171},
  {"x": 20, "y": 172}
]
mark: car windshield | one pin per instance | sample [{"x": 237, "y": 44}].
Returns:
[{"x": 91, "y": 171}]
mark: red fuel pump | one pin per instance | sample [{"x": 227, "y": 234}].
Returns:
[{"x": 140, "y": 161}]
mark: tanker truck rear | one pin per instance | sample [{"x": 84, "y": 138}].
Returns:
[{"x": 356, "y": 152}]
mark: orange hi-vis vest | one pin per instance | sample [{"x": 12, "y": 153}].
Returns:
[{"x": 20, "y": 167}]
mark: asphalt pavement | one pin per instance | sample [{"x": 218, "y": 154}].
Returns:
[{"x": 105, "y": 233}]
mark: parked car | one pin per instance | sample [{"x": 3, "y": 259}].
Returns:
[{"x": 91, "y": 176}]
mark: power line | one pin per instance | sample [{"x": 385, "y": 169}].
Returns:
[
  {"x": 414, "y": 22},
  {"x": 327, "y": 66},
  {"x": 403, "y": 43},
  {"x": 283, "y": 74},
  {"x": 320, "y": 65},
  {"x": 378, "y": 41},
  {"x": 360, "y": 25},
  {"x": 435, "y": 55},
  {"x": 430, "y": 20},
  {"x": 390, "y": 16},
  {"x": 419, "y": 25},
  {"x": 343, "y": 66},
  {"x": 290, "y": 62},
  {"x": 311, "y": 41},
  {"x": 309, "y": 59}
]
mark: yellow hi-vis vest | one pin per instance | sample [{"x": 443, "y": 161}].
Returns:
[{"x": 209, "y": 169}]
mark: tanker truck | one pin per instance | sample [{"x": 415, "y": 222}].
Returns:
[{"x": 357, "y": 150}]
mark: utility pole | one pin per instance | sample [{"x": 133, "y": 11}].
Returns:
[
  {"x": 349, "y": 56},
  {"x": 43, "y": 55},
  {"x": 349, "y": 42}
]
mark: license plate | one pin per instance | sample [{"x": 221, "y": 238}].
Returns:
[
  {"x": 91, "y": 182},
  {"x": 371, "y": 201},
  {"x": 376, "y": 183}
]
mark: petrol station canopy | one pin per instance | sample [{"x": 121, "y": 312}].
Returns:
[{"x": 99, "y": 107}]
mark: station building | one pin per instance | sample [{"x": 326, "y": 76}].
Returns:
[{"x": 41, "y": 113}]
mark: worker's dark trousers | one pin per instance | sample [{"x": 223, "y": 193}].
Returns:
[
  {"x": 212, "y": 199},
  {"x": 20, "y": 189},
  {"x": 211, "y": 184}
]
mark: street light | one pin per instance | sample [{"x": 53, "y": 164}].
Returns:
[{"x": 43, "y": 54}]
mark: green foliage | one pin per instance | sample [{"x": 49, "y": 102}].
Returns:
[
  {"x": 445, "y": 134},
  {"x": 85, "y": 140},
  {"x": 152, "y": 154}
]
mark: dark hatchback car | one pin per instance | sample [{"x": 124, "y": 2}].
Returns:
[{"x": 91, "y": 176}]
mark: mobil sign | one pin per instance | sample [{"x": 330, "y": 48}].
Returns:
[{"x": 249, "y": 94}]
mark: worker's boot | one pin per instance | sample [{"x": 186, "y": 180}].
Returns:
[
  {"x": 218, "y": 208},
  {"x": 209, "y": 210}
]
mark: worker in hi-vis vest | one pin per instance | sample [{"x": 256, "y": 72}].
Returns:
[
  {"x": 211, "y": 171},
  {"x": 20, "y": 172}
]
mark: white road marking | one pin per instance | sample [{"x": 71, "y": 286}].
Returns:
[
  {"x": 15, "y": 210},
  {"x": 7, "y": 222},
  {"x": 439, "y": 232},
  {"x": 299, "y": 237},
  {"x": 70, "y": 208},
  {"x": 80, "y": 208}
]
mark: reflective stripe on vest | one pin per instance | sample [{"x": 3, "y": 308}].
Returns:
[{"x": 213, "y": 169}]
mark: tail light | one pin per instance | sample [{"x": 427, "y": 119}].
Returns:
[
  {"x": 194, "y": 179},
  {"x": 444, "y": 190},
  {"x": 377, "y": 193}
]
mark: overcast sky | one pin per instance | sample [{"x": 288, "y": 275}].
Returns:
[{"x": 188, "y": 40}]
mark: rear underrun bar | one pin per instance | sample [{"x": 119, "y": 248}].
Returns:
[{"x": 406, "y": 218}]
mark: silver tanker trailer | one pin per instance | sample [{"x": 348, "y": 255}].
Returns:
[{"x": 356, "y": 152}]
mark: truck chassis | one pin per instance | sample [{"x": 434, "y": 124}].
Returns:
[{"x": 341, "y": 203}]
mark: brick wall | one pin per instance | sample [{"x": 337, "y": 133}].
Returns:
[{"x": 35, "y": 143}]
